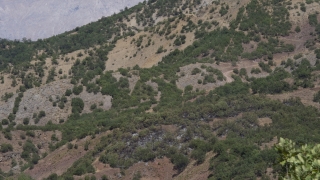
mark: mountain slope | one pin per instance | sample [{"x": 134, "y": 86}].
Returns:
[{"x": 164, "y": 90}]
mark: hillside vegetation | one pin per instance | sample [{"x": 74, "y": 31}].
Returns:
[{"x": 194, "y": 89}]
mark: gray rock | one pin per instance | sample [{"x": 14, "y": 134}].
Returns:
[{"x": 37, "y": 99}]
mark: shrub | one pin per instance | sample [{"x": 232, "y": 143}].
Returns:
[
  {"x": 243, "y": 72},
  {"x": 30, "y": 133},
  {"x": 68, "y": 92},
  {"x": 77, "y": 89},
  {"x": 297, "y": 56},
  {"x": 11, "y": 117},
  {"x": 180, "y": 161},
  {"x": 41, "y": 114},
  {"x": 53, "y": 176},
  {"x": 195, "y": 71},
  {"x": 26, "y": 121},
  {"x": 93, "y": 106},
  {"x": 6, "y": 96},
  {"x": 236, "y": 70},
  {"x": 7, "y": 135},
  {"x": 4, "y": 122},
  {"x": 54, "y": 137},
  {"x": 303, "y": 7},
  {"x": 144, "y": 154},
  {"x": 104, "y": 177},
  {"x": 70, "y": 145},
  {"x": 223, "y": 11},
  {"x": 255, "y": 71},
  {"x": 160, "y": 50},
  {"x": 316, "y": 97},
  {"x": 86, "y": 146},
  {"x": 313, "y": 19},
  {"x": 265, "y": 67},
  {"x": 36, "y": 120},
  {"x": 6, "y": 148},
  {"x": 77, "y": 105}
]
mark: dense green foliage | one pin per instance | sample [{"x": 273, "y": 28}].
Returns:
[
  {"x": 77, "y": 105},
  {"x": 272, "y": 84},
  {"x": 298, "y": 163}
]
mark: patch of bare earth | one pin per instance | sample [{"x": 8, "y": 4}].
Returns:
[
  {"x": 306, "y": 96},
  {"x": 196, "y": 172},
  {"x": 6, "y": 86},
  {"x": 41, "y": 141},
  {"x": 250, "y": 47},
  {"x": 264, "y": 121},
  {"x": 158, "y": 169},
  {"x": 225, "y": 68},
  {"x": 270, "y": 144},
  {"x": 127, "y": 54},
  {"x": 102, "y": 101},
  {"x": 61, "y": 159},
  {"x": 300, "y": 18},
  {"x": 153, "y": 85},
  {"x": 186, "y": 77},
  {"x": 169, "y": 128}
]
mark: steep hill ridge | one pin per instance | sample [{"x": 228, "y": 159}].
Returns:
[
  {"x": 38, "y": 19},
  {"x": 168, "y": 89}
]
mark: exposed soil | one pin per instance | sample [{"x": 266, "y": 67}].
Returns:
[
  {"x": 270, "y": 144},
  {"x": 196, "y": 172},
  {"x": 225, "y": 68},
  {"x": 158, "y": 169},
  {"x": 6, "y": 86},
  {"x": 306, "y": 96},
  {"x": 41, "y": 141},
  {"x": 126, "y": 54},
  {"x": 264, "y": 121},
  {"x": 61, "y": 159}
]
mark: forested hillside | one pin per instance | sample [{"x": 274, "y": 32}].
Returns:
[{"x": 168, "y": 89}]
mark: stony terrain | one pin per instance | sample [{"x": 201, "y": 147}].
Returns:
[{"x": 38, "y": 99}]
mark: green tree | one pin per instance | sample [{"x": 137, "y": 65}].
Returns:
[{"x": 77, "y": 105}]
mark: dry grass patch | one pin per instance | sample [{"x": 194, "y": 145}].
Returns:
[{"x": 264, "y": 121}]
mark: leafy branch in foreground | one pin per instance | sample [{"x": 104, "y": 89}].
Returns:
[{"x": 299, "y": 163}]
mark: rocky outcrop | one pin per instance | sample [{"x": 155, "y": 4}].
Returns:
[
  {"x": 42, "y": 98},
  {"x": 9, "y": 155},
  {"x": 38, "y": 99}
]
